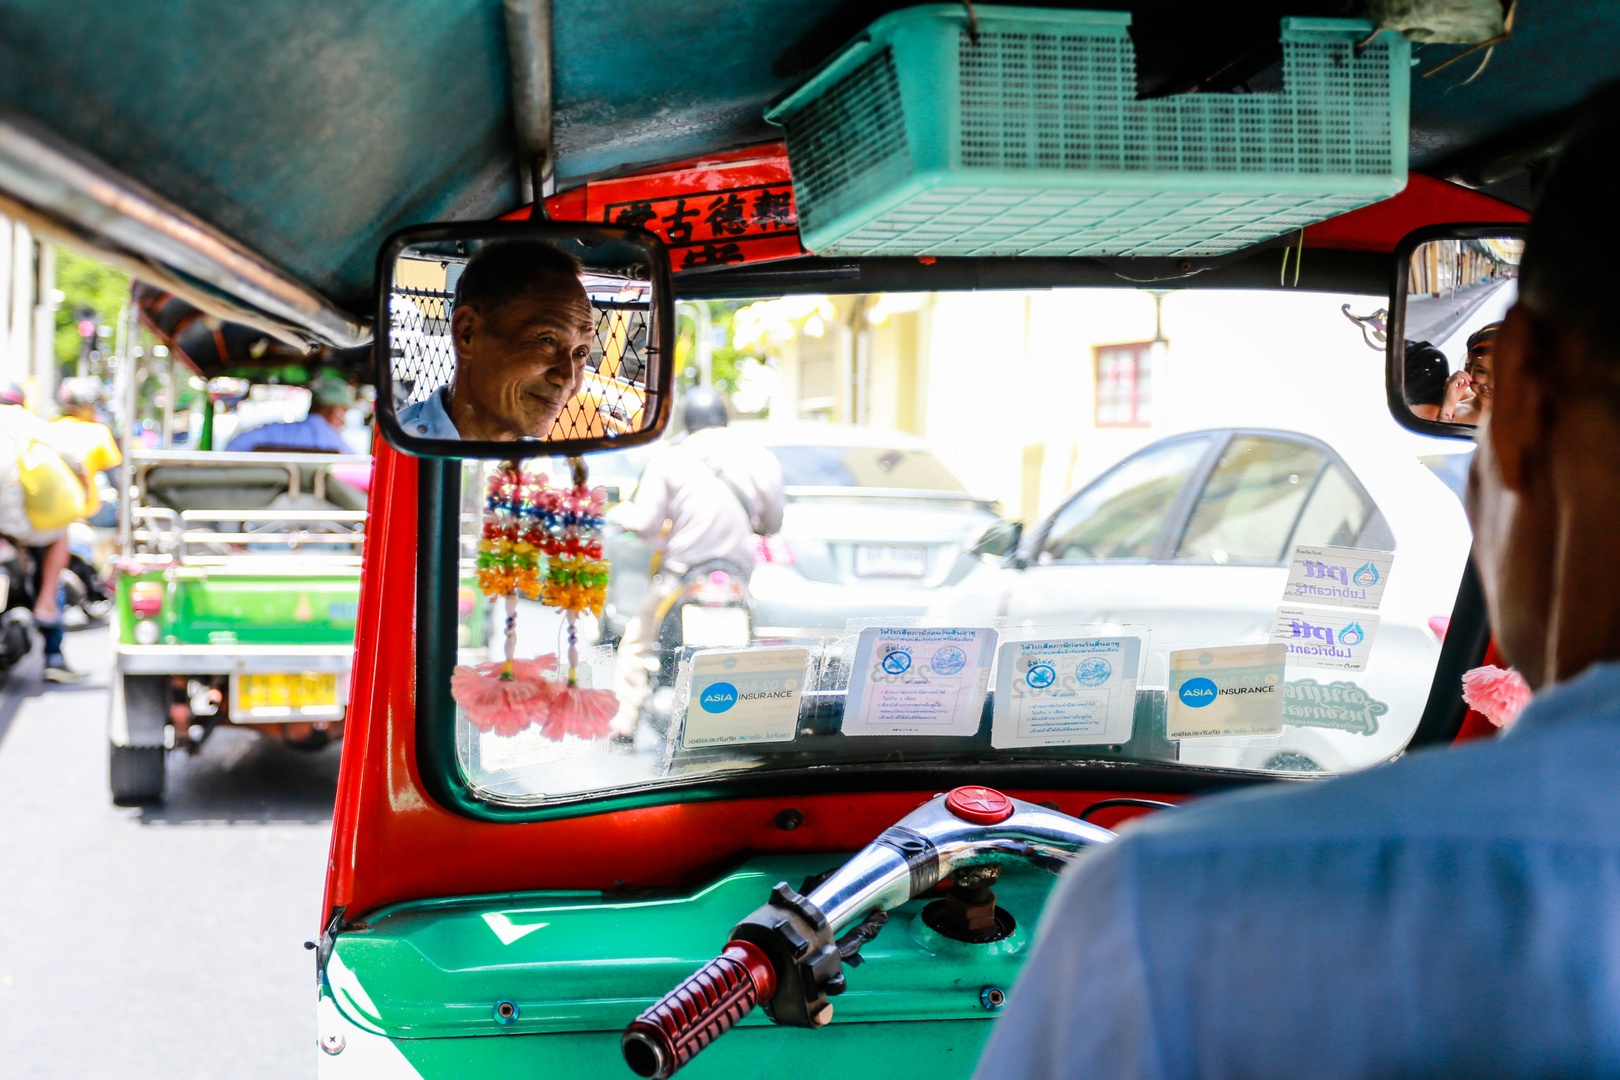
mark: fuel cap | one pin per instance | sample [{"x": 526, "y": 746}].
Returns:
[{"x": 980, "y": 805}]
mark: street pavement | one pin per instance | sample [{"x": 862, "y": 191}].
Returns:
[{"x": 164, "y": 942}]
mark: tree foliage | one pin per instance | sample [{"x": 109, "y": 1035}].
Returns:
[{"x": 86, "y": 283}]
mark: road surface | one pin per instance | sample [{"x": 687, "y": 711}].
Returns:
[{"x": 153, "y": 943}]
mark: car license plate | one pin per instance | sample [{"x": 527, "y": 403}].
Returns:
[
  {"x": 266, "y": 697},
  {"x": 725, "y": 626},
  {"x": 890, "y": 561}
]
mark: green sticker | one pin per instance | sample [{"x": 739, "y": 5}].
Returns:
[{"x": 1343, "y": 706}]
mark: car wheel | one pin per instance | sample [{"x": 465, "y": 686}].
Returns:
[{"x": 137, "y": 774}]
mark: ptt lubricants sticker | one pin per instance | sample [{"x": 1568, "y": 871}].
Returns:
[
  {"x": 1323, "y": 638},
  {"x": 1231, "y": 690}
]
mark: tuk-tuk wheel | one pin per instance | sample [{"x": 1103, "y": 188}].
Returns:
[{"x": 137, "y": 774}]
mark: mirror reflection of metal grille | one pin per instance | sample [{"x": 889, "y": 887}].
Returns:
[{"x": 615, "y": 392}]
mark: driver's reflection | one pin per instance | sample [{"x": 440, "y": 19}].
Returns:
[{"x": 522, "y": 329}]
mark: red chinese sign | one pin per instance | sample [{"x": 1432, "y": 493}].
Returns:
[{"x": 713, "y": 211}]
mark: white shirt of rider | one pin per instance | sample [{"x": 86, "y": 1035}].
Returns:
[{"x": 706, "y": 519}]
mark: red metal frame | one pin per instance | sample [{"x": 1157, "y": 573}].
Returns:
[{"x": 392, "y": 842}]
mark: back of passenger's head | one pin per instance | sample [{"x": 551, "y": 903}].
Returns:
[
  {"x": 506, "y": 269},
  {"x": 1426, "y": 374},
  {"x": 1567, "y": 276}
]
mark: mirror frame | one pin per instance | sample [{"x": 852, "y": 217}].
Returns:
[
  {"x": 1395, "y": 343},
  {"x": 663, "y": 350}
]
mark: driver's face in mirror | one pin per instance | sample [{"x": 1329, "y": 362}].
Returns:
[{"x": 522, "y": 331}]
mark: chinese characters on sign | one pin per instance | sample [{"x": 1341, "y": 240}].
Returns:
[{"x": 715, "y": 228}]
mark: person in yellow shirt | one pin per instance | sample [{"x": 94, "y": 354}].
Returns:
[{"x": 87, "y": 439}]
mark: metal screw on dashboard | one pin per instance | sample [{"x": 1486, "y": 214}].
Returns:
[
  {"x": 993, "y": 998},
  {"x": 333, "y": 1043},
  {"x": 789, "y": 819}
]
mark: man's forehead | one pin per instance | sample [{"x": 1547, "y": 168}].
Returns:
[{"x": 563, "y": 305}]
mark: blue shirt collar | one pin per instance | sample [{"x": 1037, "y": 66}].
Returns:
[
  {"x": 1593, "y": 694},
  {"x": 428, "y": 418}
]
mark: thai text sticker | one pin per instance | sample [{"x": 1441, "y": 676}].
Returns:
[
  {"x": 918, "y": 680},
  {"x": 1342, "y": 706},
  {"x": 1341, "y": 576},
  {"x": 1065, "y": 692},
  {"x": 744, "y": 696},
  {"x": 1233, "y": 690},
  {"x": 1317, "y": 637}
]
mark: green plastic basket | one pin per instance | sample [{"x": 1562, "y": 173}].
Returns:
[{"x": 916, "y": 140}]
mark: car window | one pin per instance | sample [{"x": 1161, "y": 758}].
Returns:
[
  {"x": 1335, "y": 514},
  {"x": 1251, "y": 502},
  {"x": 1119, "y": 516},
  {"x": 864, "y": 466}
]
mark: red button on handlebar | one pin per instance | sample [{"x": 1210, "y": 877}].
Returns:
[{"x": 980, "y": 805}]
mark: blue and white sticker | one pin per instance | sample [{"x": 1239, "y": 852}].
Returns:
[
  {"x": 744, "y": 696},
  {"x": 1065, "y": 692},
  {"x": 1235, "y": 690},
  {"x": 1338, "y": 576},
  {"x": 1324, "y": 638},
  {"x": 918, "y": 680}
]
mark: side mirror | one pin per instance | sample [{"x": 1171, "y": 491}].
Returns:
[
  {"x": 1452, "y": 286},
  {"x": 520, "y": 339},
  {"x": 999, "y": 540}
]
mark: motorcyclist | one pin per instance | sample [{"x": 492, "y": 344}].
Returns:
[
  {"x": 42, "y": 490},
  {"x": 84, "y": 436},
  {"x": 702, "y": 499}
]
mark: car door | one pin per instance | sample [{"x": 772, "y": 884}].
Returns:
[{"x": 1096, "y": 550}]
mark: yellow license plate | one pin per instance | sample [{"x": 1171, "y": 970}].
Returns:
[{"x": 280, "y": 693}]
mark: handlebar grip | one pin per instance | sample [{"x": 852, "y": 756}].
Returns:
[{"x": 698, "y": 1011}]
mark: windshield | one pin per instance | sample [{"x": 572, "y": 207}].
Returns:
[
  {"x": 863, "y": 467},
  {"x": 1230, "y": 555}
]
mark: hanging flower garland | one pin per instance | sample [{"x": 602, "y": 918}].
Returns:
[
  {"x": 526, "y": 518},
  {"x": 506, "y": 696},
  {"x": 576, "y": 582}
]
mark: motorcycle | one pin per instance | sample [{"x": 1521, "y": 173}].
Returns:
[
  {"x": 710, "y": 609},
  {"x": 17, "y": 626},
  {"x": 82, "y": 587}
]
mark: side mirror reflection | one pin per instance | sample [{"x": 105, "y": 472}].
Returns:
[{"x": 1453, "y": 285}]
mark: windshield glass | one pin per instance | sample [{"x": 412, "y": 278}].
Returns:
[{"x": 1230, "y": 555}]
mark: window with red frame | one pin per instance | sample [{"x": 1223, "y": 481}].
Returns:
[{"x": 1124, "y": 384}]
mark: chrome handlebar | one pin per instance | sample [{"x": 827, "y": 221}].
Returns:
[
  {"x": 785, "y": 955},
  {"x": 931, "y": 842}
]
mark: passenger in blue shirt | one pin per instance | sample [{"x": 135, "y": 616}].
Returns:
[
  {"x": 330, "y": 400},
  {"x": 1456, "y": 913}
]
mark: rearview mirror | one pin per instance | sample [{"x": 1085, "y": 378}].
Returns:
[
  {"x": 1452, "y": 286},
  {"x": 490, "y": 336}
]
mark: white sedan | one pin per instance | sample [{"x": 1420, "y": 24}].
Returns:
[{"x": 1190, "y": 538}]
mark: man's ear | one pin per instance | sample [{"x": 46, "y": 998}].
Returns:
[
  {"x": 464, "y": 325},
  {"x": 1521, "y": 375}
]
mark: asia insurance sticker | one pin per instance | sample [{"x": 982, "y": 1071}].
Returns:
[
  {"x": 1321, "y": 638},
  {"x": 1340, "y": 576},
  {"x": 1065, "y": 692},
  {"x": 1232, "y": 690},
  {"x": 918, "y": 680},
  {"x": 744, "y": 696}
]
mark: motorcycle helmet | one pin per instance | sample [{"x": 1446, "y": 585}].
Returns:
[
  {"x": 12, "y": 394},
  {"x": 703, "y": 407},
  {"x": 86, "y": 390}
]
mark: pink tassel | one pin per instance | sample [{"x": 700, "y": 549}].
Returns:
[
  {"x": 580, "y": 712},
  {"x": 1499, "y": 694},
  {"x": 502, "y": 702}
]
